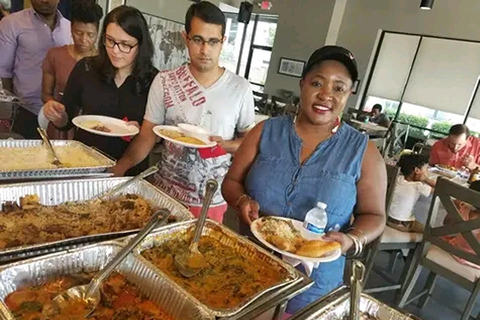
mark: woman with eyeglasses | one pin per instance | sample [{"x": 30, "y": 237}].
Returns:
[
  {"x": 115, "y": 83},
  {"x": 59, "y": 62}
]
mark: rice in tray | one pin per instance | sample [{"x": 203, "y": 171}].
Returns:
[
  {"x": 39, "y": 157},
  {"x": 33, "y": 223}
]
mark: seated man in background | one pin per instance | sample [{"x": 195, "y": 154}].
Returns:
[
  {"x": 458, "y": 150},
  {"x": 378, "y": 117},
  {"x": 412, "y": 183}
]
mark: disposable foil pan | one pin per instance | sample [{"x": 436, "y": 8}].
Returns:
[
  {"x": 59, "y": 191},
  {"x": 104, "y": 162},
  {"x": 336, "y": 306},
  {"x": 245, "y": 248},
  {"x": 90, "y": 259}
]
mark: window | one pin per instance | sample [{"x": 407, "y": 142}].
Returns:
[
  {"x": 417, "y": 82},
  {"x": 247, "y": 52}
]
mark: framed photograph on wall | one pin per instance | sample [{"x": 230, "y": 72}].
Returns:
[{"x": 291, "y": 67}]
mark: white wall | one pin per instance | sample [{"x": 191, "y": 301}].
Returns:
[
  {"x": 302, "y": 28},
  {"x": 363, "y": 18}
]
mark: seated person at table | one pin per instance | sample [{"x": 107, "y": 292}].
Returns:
[
  {"x": 411, "y": 184},
  {"x": 467, "y": 212},
  {"x": 458, "y": 150},
  {"x": 378, "y": 117}
]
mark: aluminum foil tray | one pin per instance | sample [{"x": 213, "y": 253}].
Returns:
[
  {"x": 104, "y": 162},
  {"x": 244, "y": 247},
  {"x": 90, "y": 259},
  {"x": 336, "y": 306},
  {"x": 57, "y": 192}
]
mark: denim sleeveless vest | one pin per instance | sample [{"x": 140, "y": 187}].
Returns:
[{"x": 284, "y": 187}]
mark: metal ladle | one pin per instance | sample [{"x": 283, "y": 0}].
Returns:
[
  {"x": 125, "y": 184},
  {"x": 49, "y": 145},
  {"x": 90, "y": 293},
  {"x": 191, "y": 262}
]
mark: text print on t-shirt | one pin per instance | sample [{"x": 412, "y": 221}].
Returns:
[{"x": 181, "y": 87}]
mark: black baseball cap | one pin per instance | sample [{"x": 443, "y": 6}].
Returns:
[{"x": 336, "y": 53}]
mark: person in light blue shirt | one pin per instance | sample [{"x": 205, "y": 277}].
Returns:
[
  {"x": 286, "y": 165},
  {"x": 25, "y": 38}
]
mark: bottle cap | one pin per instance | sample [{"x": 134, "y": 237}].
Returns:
[{"x": 322, "y": 205}]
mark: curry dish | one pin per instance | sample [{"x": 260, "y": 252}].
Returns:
[
  {"x": 229, "y": 278},
  {"x": 120, "y": 300},
  {"x": 33, "y": 223}
]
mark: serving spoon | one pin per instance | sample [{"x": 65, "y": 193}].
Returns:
[
  {"x": 191, "y": 262},
  {"x": 90, "y": 293},
  {"x": 49, "y": 145}
]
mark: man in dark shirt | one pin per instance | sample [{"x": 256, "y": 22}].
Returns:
[{"x": 378, "y": 117}]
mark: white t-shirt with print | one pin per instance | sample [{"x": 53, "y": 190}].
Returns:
[
  {"x": 405, "y": 196},
  {"x": 224, "y": 108}
]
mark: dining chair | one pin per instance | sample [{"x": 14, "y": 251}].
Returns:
[
  {"x": 392, "y": 241},
  {"x": 395, "y": 139},
  {"x": 261, "y": 102},
  {"x": 436, "y": 253},
  {"x": 278, "y": 105}
]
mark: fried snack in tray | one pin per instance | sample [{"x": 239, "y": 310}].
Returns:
[
  {"x": 283, "y": 235},
  {"x": 229, "y": 278},
  {"x": 120, "y": 299},
  {"x": 33, "y": 223}
]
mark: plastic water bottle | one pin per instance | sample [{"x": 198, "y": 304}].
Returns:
[{"x": 316, "y": 219}]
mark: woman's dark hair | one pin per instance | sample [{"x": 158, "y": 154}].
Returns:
[
  {"x": 409, "y": 162},
  {"x": 131, "y": 21},
  {"x": 86, "y": 11},
  {"x": 207, "y": 12}
]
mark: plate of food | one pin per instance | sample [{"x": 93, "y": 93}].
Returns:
[
  {"x": 105, "y": 126},
  {"x": 288, "y": 237},
  {"x": 446, "y": 170},
  {"x": 176, "y": 135}
]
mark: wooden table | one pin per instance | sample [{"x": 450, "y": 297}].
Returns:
[{"x": 368, "y": 127}]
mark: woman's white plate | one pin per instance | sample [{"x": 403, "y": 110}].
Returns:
[
  {"x": 156, "y": 130},
  {"x": 117, "y": 127},
  {"x": 331, "y": 256}
]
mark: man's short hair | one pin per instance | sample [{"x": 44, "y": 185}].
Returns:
[
  {"x": 459, "y": 129},
  {"x": 378, "y": 107},
  {"x": 207, "y": 12}
]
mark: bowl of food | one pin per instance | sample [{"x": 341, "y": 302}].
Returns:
[{"x": 191, "y": 130}]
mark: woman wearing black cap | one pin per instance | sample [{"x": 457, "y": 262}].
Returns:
[{"x": 286, "y": 165}]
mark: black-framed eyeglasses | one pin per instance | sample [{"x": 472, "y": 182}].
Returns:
[
  {"x": 122, "y": 46},
  {"x": 199, "y": 41}
]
